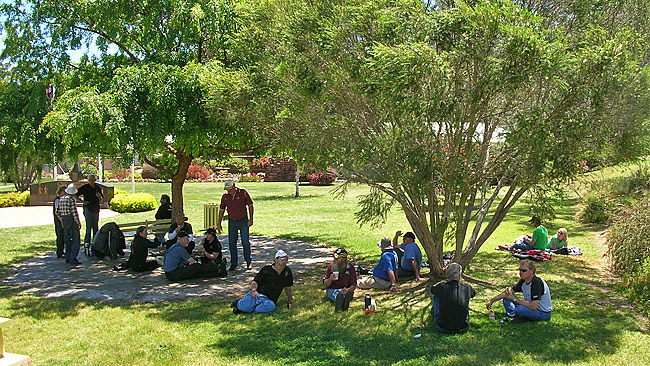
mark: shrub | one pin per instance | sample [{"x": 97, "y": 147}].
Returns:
[
  {"x": 138, "y": 202},
  {"x": 595, "y": 210},
  {"x": 322, "y": 178},
  {"x": 117, "y": 191},
  {"x": 197, "y": 172},
  {"x": 88, "y": 169},
  {"x": 121, "y": 175},
  {"x": 250, "y": 177},
  {"x": 237, "y": 165},
  {"x": 149, "y": 172},
  {"x": 635, "y": 285},
  {"x": 629, "y": 229},
  {"x": 13, "y": 199},
  {"x": 259, "y": 165}
]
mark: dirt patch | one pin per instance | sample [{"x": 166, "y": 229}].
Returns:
[{"x": 95, "y": 279}]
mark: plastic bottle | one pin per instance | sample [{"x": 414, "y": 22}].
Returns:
[
  {"x": 368, "y": 300},
  {"x": 491, "y": 315}
]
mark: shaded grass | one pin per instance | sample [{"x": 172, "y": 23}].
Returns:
[{"x": 588, "y": 325}]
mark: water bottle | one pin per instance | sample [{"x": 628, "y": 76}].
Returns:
[
  {"x": 491, "y": 315},
  {"x": 368, "y": 301}
]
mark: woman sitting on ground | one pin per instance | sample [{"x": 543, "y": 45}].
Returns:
[
  {"x": 559, "y": 240},
  {"x": 210, "y": 247},
  {"x": 140, "y": 250}
]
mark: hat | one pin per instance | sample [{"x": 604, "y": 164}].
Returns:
[
  {"x": 228, "y": 184},
  {"x": 409, "y": 235},
  {"x": 71, "y": 189},
  {"x": 453, "y": 271},
  {"x": 211, "y": 231},
  {"x": 280, "y": 253},
  {"x": 535, "y": 220},
  {"x": 385, "y": 243},
  {"x": 182, "y": 234},
  {"x": 340, "y": 253}
]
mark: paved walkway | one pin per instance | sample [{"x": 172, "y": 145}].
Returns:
[
  {"x": 46, "y": 276},
  {"x": 37, "y": 215}
]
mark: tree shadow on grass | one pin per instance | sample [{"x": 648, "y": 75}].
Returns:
[{"x": 19, "y": 254}]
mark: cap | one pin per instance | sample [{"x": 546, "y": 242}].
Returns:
[
  {"x": 211, "y": 231},
  {"x": 453, "y": 271},
  {"x": 228, "y": 184},
  {"x": 340, "y": 253},
  {"x": 385, "y": 243},
  {"x": 182, "y": 234},
  {"x": 280, "y": 253},
  {"x": 409, "y": 235}
]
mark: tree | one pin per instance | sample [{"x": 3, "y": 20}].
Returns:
[
  {"x": 454, "y": 112},
  {"x": 165, "y": 82}
]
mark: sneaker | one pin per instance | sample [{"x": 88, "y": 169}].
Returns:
[
  {"x": 232, "y": 267},
  {"x": 340, "y": 299},
  {"x": 75, "y": 262},
  {"x": 347, "y": 300},
  {"x": 248, "y": 265},
  {"x": 504, "y": 320},
  {"x": 234, "y": 303},
  {"x": 235, "y": 309},
  {"x": 519, "y": 320}
]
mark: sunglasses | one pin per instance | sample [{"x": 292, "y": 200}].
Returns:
[
  {"x": 523, "y": 270},
  {"x": 284, "y": 258}
]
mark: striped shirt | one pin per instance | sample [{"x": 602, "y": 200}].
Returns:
[{"x": 67, "y": 206}]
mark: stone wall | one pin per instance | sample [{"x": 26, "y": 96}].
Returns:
[{"x": 281, "y": 170}]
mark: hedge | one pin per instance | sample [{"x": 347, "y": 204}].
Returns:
[
  {"x": 12, "y": 199},
  {"x": 137, "y": 202}
]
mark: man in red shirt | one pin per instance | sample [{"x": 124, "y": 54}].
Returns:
[{"x": 236, "y": 200}]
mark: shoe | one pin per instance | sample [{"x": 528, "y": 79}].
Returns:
[
  {"x": 75, "y": 262},
  {"x": 519, "y": 320},
  {"x": 60, "y": 256},
  {"x": 236, "y": 310},
  {"x": 232, "y": 267},
  {"x": 248, "y": 265},
  {"x": 347, "y": 300},
  {"x": 504, "y": 320},
  {"x": 340, "y": 299},
  {"x": 234, "y": 303}
]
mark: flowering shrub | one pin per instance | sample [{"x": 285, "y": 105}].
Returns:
[
  {"x": 322, "y": 178},
  {"x": 250, "y": 177},
  {"x": 138, "y": 202},
  {"x": 121, "y": 174},
  {"x": 259, "y": 164},
  {"x": 197, "y": 172},
  {"x": 629, "y": 229},
  {"x": 13, "y": 199},
  {"x": 636, "y": 285}
]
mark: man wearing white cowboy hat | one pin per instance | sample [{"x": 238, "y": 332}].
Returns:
[
  {"x": 67, "y": 212},
  {"x": 266, "y": 287},
  {"x": 384, "y": 275},
  {"x": 237, "y": 200}
]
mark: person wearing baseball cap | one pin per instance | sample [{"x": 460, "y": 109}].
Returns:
[
  {"x": 384, "y": 275},
  {"x": 237, "y": 201},
  {"x": 267, "y": 286},
  {"x": 451, "y": 302},
  {"x": 340, "y": 280},
  {"x": 179, "y": 265}
]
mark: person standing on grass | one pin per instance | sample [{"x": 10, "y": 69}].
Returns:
[
  {"x": 340, "y": 280},
  {"x": 266, "y": 287},
  {"x": 536, "y": 304},
  {"x": 409, "y": 255},
  {"x": 236, "y": 201},
  {"x": 92, "y": 198},
  {"x": 58, "y": 224},
  {"x": 384, "y": 275},
  {"x": 67, "y": 212},
  {"x": 451, "y": 302}
]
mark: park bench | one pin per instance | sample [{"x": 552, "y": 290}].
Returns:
[{"x": 153, "y": 226}]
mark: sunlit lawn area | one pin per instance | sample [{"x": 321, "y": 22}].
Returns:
[{"x": 589, "y": 324}]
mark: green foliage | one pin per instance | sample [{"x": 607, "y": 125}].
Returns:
[
  {"x": 137, "y": 202},
  {"x": 88, "y": 169},
  {"x": 635, "y": 285},
  {"x": 629, "y": 230},
  {"x": 12, "y": 199},
  {"x": 596, "y": 210},
  {"x": 121, "y": 175}
]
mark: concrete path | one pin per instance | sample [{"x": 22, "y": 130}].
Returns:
[
  {"x": 95, "y": 280},
  {"x": 37, "y": 215}
]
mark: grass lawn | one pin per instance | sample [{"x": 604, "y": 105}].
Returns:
[{"x": 590, "y": 325}]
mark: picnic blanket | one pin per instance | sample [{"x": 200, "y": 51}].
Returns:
[{"x": 538, "y": 255}]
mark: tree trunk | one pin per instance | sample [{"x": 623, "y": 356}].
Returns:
[{"x": 178, "y": 179}]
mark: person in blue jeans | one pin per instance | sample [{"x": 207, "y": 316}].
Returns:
[
  {"x": 92, "y": 198},
  {"x": 536, "y": 304},
  {"x": 409, "y": 256},
  {"x": 240, "y": 218},
  {"x": 266, "y": 287}
]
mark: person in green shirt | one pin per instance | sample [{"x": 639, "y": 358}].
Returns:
[
  {"x": 558, "y": 240},
  {"x": 540, "y": 234}
]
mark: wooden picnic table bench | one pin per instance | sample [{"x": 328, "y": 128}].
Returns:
[{"x": 153, "y": 226}]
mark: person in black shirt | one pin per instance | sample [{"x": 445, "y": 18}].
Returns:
[
  {"x": 211, "y": 247},
  {"x": 266, "y": 287},
  {"x": 58, "y": 224},
  {"x": 140, "y": 250},
  {"x": 92, "y": 198},
  {"x": 451, "y": 302},
  {"x": 164, "y": 212}
]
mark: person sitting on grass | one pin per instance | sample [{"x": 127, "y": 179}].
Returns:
[
  {"x": 559, "y": 240},
  {"x": 178, "y": 264},
  {"x": 539, "y": 239},
  {"x": 266, "y": 287},
  {"x": 409, "y": 255},
  {"x": 451, "y": 302},
  {"x": 210, "y": 247},
  {"x": 536, "y": 304},
  {"x": 340, "y": 280},
  {"x": 384, "y": 275},
  {"x": 140, "y": 251}
]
